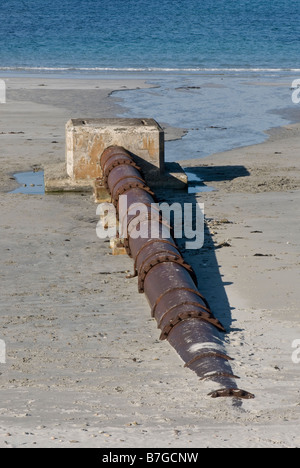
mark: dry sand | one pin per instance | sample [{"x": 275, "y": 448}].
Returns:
[{"x": 84, "y": 365}]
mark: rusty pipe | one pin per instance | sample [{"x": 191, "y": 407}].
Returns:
[{"x": 182, "y": 314}]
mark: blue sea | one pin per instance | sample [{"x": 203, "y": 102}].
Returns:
[{"x": 209, "y": 60}]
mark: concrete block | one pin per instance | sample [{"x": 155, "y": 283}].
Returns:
[
  {"x": 101, "y": 195},
  {"x": 173, "y": 178},
  {"x": 117, "y": 246},
  {"x": 57, "y": 180},
  {"x": 86, "y": 139}
]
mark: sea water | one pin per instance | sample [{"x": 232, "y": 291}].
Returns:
[
  {"x": 220, "y": 111},
  {"x": 139, "y": 34},
  {"x": 222, "y": 69}
]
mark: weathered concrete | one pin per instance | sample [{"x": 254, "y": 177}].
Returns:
[
  {"x": 117, "y": 246},
  {"x": 101, "y": 194},
  {"x": 86, "y": 139},
  {"x": 174, "y": 177},
  {"x": 57, "y": 180}
]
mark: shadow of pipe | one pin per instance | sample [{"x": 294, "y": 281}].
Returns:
[
  {"x": 199, "y": 176},
  {"x": 218, "y": 173},
  {"x": 204, "y": 260}
]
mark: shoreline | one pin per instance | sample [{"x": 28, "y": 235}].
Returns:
[
  {"x": 256, "y": 174},
  {"x": 220, "y": 112},
  {"x": 141, "y": 80},
  {"x": 250, "y": 156},
  {"x": 54, "y": 99},
  {"x": 85, "y": 370}
]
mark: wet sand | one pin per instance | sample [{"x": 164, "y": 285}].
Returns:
[{"x": 84, "y": 364}]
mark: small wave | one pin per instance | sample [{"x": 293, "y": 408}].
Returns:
[{"x": 149, "y": 69}]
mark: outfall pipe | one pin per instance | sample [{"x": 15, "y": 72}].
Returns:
[{"x": 182, "y": 314}]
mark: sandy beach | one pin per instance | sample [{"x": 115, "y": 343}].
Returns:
[{"x": 84, "y": 364}]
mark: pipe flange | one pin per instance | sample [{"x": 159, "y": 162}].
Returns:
[
  {"x": 193, "y": 314},
  {"x": 208, "y": 355},
  {"x": 112, "y": 189},
  {"x": 126, "y": 246},
  {"x": 152, "y": 241},
  {"x": 114, "y": 164},
  {"x": 113, "y": 151},
  {"x": 168, "y": 291},
  {"x": 232, "y": 392},
  {"x": 155, "y": 260},
  {"x": 130, "y": 185},
  {"x": 182, "y": 304}
]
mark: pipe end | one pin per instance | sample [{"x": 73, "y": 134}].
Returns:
[{"x": 233, "y": 393}]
